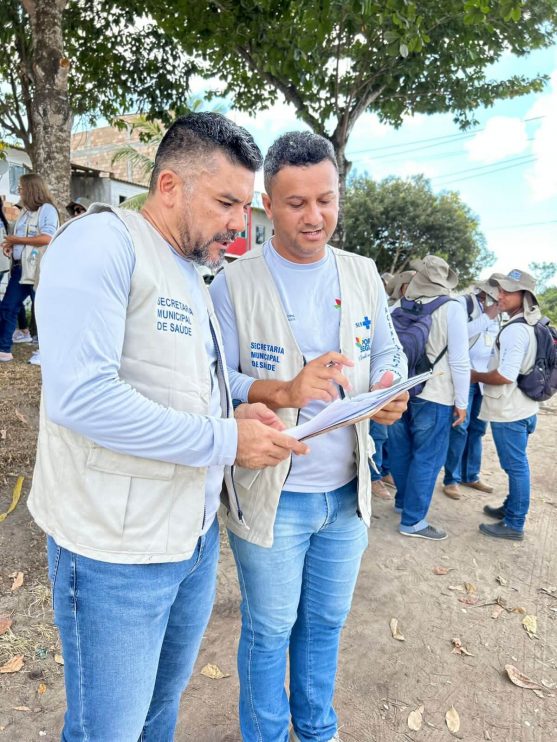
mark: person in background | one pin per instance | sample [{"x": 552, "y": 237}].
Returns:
[
  {"x": 4, "y": 229},
  {"x": 418, "y": 442},
  {"x": 381, "y": 476},
  {"x": 35, "y": 226},
  {"x": 78, "y": 206},
  {"x": 511, "y": 413},
  {"x": 301, "y": 322},
  {"x": 464, "y": 457}
]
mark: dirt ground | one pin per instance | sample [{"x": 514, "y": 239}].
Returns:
[{"x": 380, "y": 680}]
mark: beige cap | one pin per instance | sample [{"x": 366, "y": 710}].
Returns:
[
  {"x": 487, "y": 288},
  {"x": 516, "y": 280}
]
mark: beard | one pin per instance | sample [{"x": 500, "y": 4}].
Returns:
[{"x": 199, "y": 252}]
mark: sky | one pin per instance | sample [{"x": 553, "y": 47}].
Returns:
[{"x": 505, "y": 168}]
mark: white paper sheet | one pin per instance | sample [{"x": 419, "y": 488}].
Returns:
[{"x": 346, "y": 411}]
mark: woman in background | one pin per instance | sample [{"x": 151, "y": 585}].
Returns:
[{"x": 36, "y": 226}]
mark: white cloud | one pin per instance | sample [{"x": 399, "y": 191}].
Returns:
[
  {"x": 542, "y": 177},
  {"x": 503, "y": 136},
  {"x": 516, "y": 248}
]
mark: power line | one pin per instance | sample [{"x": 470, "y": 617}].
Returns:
[
  {"x": 488, "y": 172},
  {"x": 520, "y": 226},
  {"x": 508, "y": 160},
  {"x": 440, "y": 140}
]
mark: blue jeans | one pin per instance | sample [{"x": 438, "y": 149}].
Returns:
[
  {"x": 130, "y": 636},
  {"x": 296, "y": 597},
  {"x": 418, "y": 444},
  {"x": 380, "y": 436},
  {"x": 464, "y": 457},
  {"x": 511, "y": 441},
  {"x": 15, "y": 295}
]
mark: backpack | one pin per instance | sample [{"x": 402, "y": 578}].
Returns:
[
  {"x": 412, "y": 322},
  {"x": 540, "y": 383},
  {"x": 469, "y": 306}
]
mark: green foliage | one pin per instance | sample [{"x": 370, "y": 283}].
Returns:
[
  {"x": 118, "y": 60},
  {"x": 334, "y": 59},
  {"x": 543, "y": 273},
  {"x": 548, "y": 303},
  {"x": 396, "y": 220}
]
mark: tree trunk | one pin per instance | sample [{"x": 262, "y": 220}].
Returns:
[
  {"x": 343, "y": 169},
  {"x": 50, "y": 117}
]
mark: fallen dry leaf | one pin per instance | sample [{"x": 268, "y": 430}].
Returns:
[
  {"x": 59, "y": 659},
  {"x": 459, "y": 649},
  {"x": 469, "y": 600},
  {"x": 453, "y": 720},
  {"x": 501, "y": 580},
  {"x": 214, "y": 672},
  {"x": 41, "y": 689},
  {"x": 415, "y": 719},
  {"x": 538, "y": 693},
  {"x": 3, "y": 434},
  {"x": 5, "y": 624},
  {"x": 395, "y": 630},
  {"x": 441, "y": 570},
  {"x": 497, "y": 610},
  {"x": 20, "y": 416},
  {"x": 518, "y": 609},
  {"x": 17, "y": 580},
  {"x": 487, "y": 735},
  {"x": 22, "y": 708},
  {"x": 530, "y": 624},
  {"x": 520, "y": 679},
  {"x": 13, "y": 665},
  {"x": 470, "y": 587},
  {"x": 456, "y": 587}
]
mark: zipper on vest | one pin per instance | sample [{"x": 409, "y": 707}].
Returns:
[{"x": 220, "y": 367}]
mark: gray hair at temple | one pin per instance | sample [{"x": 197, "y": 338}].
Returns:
[
  {"x": 297, "y": 148},
  {"x": 192, "y": 139}
]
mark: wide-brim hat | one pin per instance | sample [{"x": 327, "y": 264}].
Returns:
[
  {"x": 516, "y": 280},
  {"x": 490, "y": 289},
  {"x": 79, "y": 201},
  {"x": 397, "y": 282},
  {"x": 386, "y": 277},
  {"x": 433, "y": 277}
]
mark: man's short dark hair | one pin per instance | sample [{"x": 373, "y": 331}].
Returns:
[
  {"x": 296, "y": 148},
  {"x": 198, "y": 135}
]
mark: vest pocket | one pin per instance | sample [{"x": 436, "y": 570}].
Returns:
[
  {"x": 246, "y": 477},
  {"x": 104, "y": 460}
]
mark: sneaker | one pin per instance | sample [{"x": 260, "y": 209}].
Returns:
[
  {"x": 6, "y": 356},
  {"x": 35, "y": 359},
  {"x": 294, "y": 737},
  {"x": 22, "y": 336},
  {"x": 379, "y": 490},
  {"x": 452, "y": 491},
  {"x": 389, "y": 481},
  {"x": 429, "y": 532},
  {"x": 480, "y": 486},
  {"x": 497, "y": 513},
  {"x": 500, "y": 530}
]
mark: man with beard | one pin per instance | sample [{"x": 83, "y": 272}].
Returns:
[{"x": 137, "y": 430}]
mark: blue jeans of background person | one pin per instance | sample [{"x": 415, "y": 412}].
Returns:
[
  {"x": 464, "y": 457},
  {"x": 380, "y": 436},
  {"x": 296, "y": 597},
  {"x": 418, "y": 445},
  {"x": 15, "y": 295},
  {"x": 130, "y": 636},
  {"x": 511, "y": 441}
]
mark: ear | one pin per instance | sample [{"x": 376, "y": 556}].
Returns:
[
  {"x": 266, "y": 200},
  {"x": 168, "y": 186}
]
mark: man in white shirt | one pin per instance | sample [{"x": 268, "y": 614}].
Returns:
[
  {"x": 302, "y": 323},
  {"x": 512, "y": 414},
  {"x": 136, "y": 432},
  {"x": 464, "y": 456}
]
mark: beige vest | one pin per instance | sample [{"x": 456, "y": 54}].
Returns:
[
  {"x": 506, "y": 403},
  {"x": 121, "y": 508},
  {"x": 440, "y": 387},
  {"x": 261, "y": 321}
]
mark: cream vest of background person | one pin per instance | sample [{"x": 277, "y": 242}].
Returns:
[
  {"x": 261, "y": 320},
  {"x": 116, "y": 507},
  {"x": 506, "y": 403}
]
